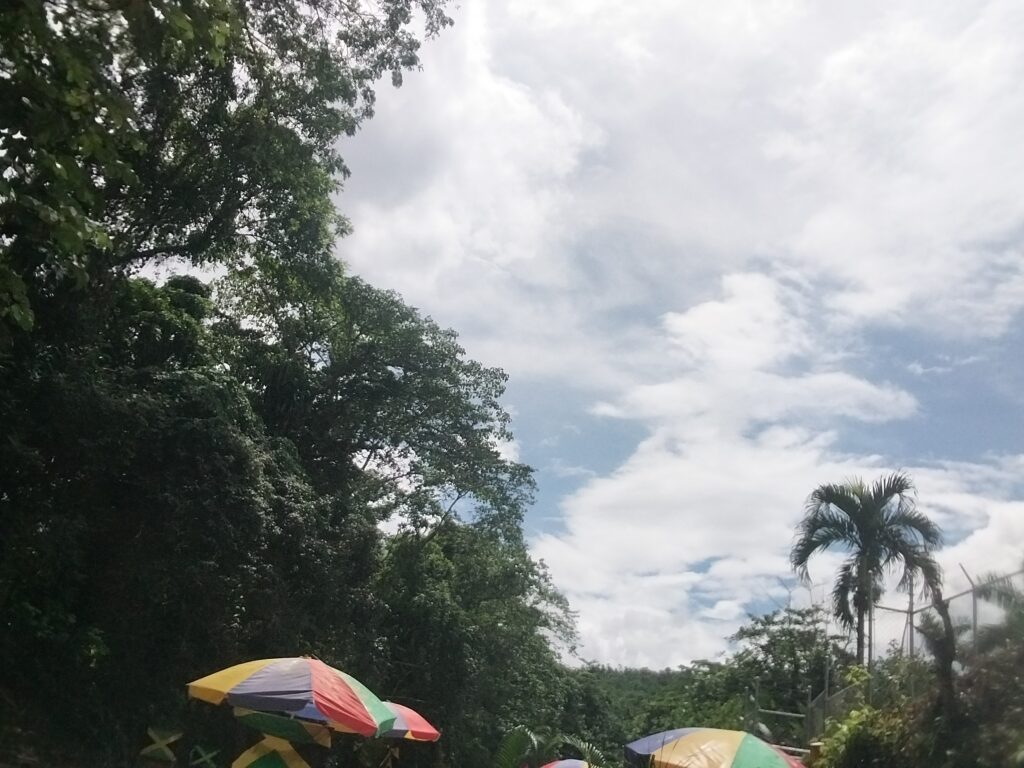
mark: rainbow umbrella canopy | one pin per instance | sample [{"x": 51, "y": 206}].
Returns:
[
  {"x": 567, "y": 764},
  {"x": 303, "y": 688},
  {"x": 409, "y": 724},
  {"x": 705, "y": 748}
]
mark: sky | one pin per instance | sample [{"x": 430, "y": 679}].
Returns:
[{"x": 726, "y": 252}]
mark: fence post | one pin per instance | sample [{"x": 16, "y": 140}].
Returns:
[
  {"x": 910, "y": 616},
  {"x": 871, "y": 653},
  {"x": 808, "y": 717},
  {"x": 974, "y": 607}
]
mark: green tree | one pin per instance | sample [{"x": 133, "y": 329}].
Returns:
[
  {"x": 465, "y": 626},
  {"x": 991, "y": 691},
  {"x": 146, "y": 514},
  {"x": 198, "y": 473},
  {"x": 163, "y": 446},
  {"x": 589, "y": 711},
  {"x": 381, "y": 404},
  {"x": 782, "y": 656},
  {"x": 880, "y": 528},
  {"x": 870, "y": 738},
  {"x": 203, "y": 131},
  {"x": 704, "y": 694},
  {"x": 787, "y": 656}
]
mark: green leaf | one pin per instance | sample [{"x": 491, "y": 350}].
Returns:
[{"x": 181, "y": 22}]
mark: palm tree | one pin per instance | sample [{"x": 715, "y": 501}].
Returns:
[
  {"x": 523, "y": 748},
  {"x": 881, "y": 529}
]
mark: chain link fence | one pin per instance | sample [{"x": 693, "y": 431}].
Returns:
[{"x": 908, "y": 629}]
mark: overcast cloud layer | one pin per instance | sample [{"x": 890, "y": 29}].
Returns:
[{"x": 742, "y": 248}]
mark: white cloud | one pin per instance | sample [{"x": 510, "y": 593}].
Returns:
[
  {"x": 733, "y": 355},
  {"x": 509, "y": 450},
  {"x": 945, "y": 364},
  {"x": 922, "y": 370},
  {"x": 557, "y": 170},
  {"x": 562, "y": 469},
  {"x": 702, "y": 218},
  {"x": 724, "y": 610},
  {"x": 713, "y": 494}
]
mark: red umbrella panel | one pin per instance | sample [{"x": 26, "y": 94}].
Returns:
[{"x": 409, "y": 724}]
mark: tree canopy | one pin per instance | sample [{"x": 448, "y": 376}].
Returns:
[{"x": 202, "y": 468}]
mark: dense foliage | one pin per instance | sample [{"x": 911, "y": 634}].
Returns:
[
  {"x": 779, "y": 660},
  {"x": 197, "y": 471},
  {"x": 168, "y": 495},
  {"x": 908, "y": 721},
  {"x": 203, "y": 130}
]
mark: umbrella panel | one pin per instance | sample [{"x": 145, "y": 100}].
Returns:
[{"x": 302, "y": 687}]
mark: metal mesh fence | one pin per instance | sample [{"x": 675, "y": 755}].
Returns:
[
  {"x": 835, "y": 705},
  {"x": 893, "y": 631},
  {"x": 972, "y": 614}
]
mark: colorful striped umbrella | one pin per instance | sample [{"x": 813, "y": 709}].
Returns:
[
  {"x": 706, "y": 748},
  {"x": 409, "y": 724},
  {"x": 301, "y": 687},
  {"x": 567, "y": 764}
]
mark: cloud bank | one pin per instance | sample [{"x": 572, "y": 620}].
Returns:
[{"x": 767, "y": 233}]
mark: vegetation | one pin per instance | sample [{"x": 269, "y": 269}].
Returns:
[
  {"x": 523, "y": 748},
  {"x": 779, "y": 662},
  {"x": 1000, "y": 590},
  {"x": 901, "y": 728},
  {"x": 917, "y": 716},
  {"x": 196, "y": 469}
]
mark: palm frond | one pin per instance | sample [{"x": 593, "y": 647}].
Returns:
[
  {"x": 588, "y": 752},
  {"x": 825, "y": 524},
  {"x": 856, "y": 486},
  {"x": 1001, "y": 591},
  {"x": 931, "y": 575},
  {"x": 516, "y": 746},
  {"x": 842, "y": 496},
  {"x": 912, "y": 557},
  {"x": 895, "y": 485},
  {"x": 912, "y": 524},
  {"x": 842, "y": 595}
]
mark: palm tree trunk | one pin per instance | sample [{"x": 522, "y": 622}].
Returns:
[
  {"x": 861, "y": 598},
  {"x": 946, "y": 746},
  {"x": 945, "y": 655}
]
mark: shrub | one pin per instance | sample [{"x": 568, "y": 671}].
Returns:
[{"x": 868, "y": 738}]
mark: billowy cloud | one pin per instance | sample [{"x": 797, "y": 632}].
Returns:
[
  {"x": 737, "y": 439},
  {"x": 711, "y": 220}
]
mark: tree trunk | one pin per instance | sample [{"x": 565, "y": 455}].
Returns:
[
  {"x": 947, "y": 749},
  {"x": 945, "y": 655},
  {"x": 862, "y": 599}
]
